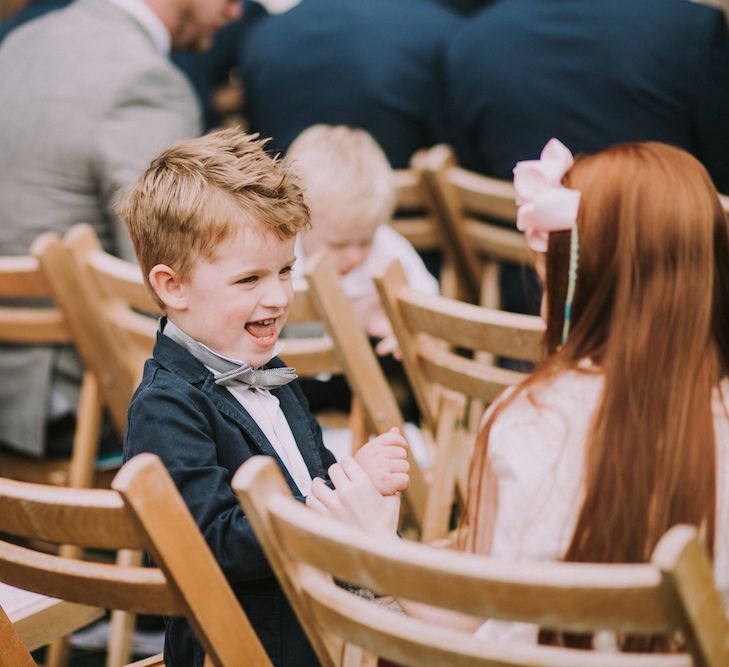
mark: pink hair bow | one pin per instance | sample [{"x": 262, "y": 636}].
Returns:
[{"x": 545, "y": 205}]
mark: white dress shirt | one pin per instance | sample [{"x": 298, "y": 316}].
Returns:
[
  {"x": 141, "y": 11},
  {"x": 266, "y": 411}
]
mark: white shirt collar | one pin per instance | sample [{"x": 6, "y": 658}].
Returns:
[{"x": 152, "y": 24}]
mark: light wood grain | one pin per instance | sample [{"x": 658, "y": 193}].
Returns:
[{"x": 673, "y": 594}]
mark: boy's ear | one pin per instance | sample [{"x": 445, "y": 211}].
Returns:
[{"x": 168, "y": 287}]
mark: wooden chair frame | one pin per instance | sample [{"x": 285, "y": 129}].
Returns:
[
  {"x": 22, "y": 280},
  {"x": 464, "y": 202},
  {"x": 144, "y": 511},
  {"x": 673, "y": 593},
  {"x": 362, "y": 370},
  {"x": 452, "y": 389}
]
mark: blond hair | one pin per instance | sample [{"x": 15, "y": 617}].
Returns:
[
  {"x": 346, "y": 166},
  {"x": 194, "y": 195}
]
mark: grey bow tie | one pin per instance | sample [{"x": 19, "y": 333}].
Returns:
[{"x": 230, "y": 372}]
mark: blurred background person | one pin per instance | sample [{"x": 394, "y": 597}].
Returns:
[
  {"x": 89, "y": 97},
  {"x": 371, "y": 64}
]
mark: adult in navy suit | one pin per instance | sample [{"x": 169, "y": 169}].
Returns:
[
  {"x": 365, "y": 63},
  {"x": 592, "y": 73}
]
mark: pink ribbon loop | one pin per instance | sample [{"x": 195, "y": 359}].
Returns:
[{"x": 545, "y": 205}]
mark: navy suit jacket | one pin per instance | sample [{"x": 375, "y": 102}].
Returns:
[
  {"x": 203, "y": 434},
  {"x": 591, "y": 73},
  {"x": 370, "y": 64}
]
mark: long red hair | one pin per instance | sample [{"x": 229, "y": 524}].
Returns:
[{"x": 651, "y": 310}]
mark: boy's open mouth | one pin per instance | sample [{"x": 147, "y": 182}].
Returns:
[{"x": 264, "y": 331}]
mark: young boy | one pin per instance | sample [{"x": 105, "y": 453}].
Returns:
[{"x": 214, "y": 221}]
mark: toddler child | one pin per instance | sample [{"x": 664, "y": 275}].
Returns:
[
  {"x": 214, "y": 222},
  {"x": 349, "y": 187}
]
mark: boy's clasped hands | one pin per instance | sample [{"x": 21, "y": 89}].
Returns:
[{"x": 366, "y": 485}]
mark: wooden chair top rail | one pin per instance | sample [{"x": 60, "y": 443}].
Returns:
[
  {"x": 470, "y": 377},
  {"x": 21, "y": 280},
  {"x": 95, "y": 518},
  {"x": 498, "y": 243},
  {"x": 473, "y": 327},
  {"x": 145, "y": 498},
  {"x": 408, "y": 189},
  {"x": 675, "y": 592},
  {"x": 122, "y": 279},
  {"x": 138, "y": 589},
  {"x": 311, "y": 356},
  {"x": 545, "y": 593},
  {"x": 486, "y": 196},
  {"x": 410, "y": 641}
]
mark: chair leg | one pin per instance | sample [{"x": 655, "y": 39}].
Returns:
[
  {"x": 59, "y": 653},
  {"x": 81, "y": 475},
  {"x": 441, "y": 490},
  {"x": 86, "y": 437},
  {"x": 122, "y": 623}
]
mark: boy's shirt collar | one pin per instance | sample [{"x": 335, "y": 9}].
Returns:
[{"x": 227, "y": 370}]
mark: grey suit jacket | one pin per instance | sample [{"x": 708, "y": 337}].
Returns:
[{"x": 87, "y": 102}]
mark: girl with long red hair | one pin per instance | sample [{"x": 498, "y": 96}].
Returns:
[{"x": 624, "y": 431}]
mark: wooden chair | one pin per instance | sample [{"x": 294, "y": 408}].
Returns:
[
  {"x": 466, "y": 205},
  {"x": 416, "y": 219},
  {"x": 442, "y": 342},
  {"x": 22, "y": 282},
  {"x": 38, "y": 619},
  {"x": 673, "y": 594},
  {"x": 144, "y": 511},
  {"x": 724, "y": 199},
  {"x": 107, "y": 309},
  {"x": 316, "y": 353},
  {"x": 362, "y": 370}
]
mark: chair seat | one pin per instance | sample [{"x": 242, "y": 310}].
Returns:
[{"x": 39, "y": 619}]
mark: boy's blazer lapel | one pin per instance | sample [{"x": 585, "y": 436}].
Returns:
[{"x": 172, "y": 355}]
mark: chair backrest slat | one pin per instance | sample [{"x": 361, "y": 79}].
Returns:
[
  {"x": 545, "y": 593},
  {"x": 361, "y": 368},
  {"x": 476, "y": 215},
  {"x": 310, "y": 552},
  {"x": 140, "y": 590},
  {"x": 469, "y": 377},
  {"x": 27, "y": 316},
  {"x": 143, "y": 511},
  {"x": 473, "y": 327},
  {"x": 96, "y": 518}
]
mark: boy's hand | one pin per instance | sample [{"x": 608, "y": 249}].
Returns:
[
  {"x": 385, "y": 460},
  {"x": 355, "y": 499}
]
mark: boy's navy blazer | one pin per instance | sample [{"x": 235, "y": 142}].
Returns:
[{"x": 203, "y": 434}]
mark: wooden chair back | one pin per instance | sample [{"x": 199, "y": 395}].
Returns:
[
  {"x": 416, "y": 219},
  {"x": 28, "y": 317},
  {"x": 97, "y": 293},
  {"x": 673, "y": 594},
  {"x": 443, "y": 343},
  {"x": 466, "y": 205},
  {"x": 413, "y": 217},
  {"x": 144, "y": 511},
  {"x": 361, "y": 368}
]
